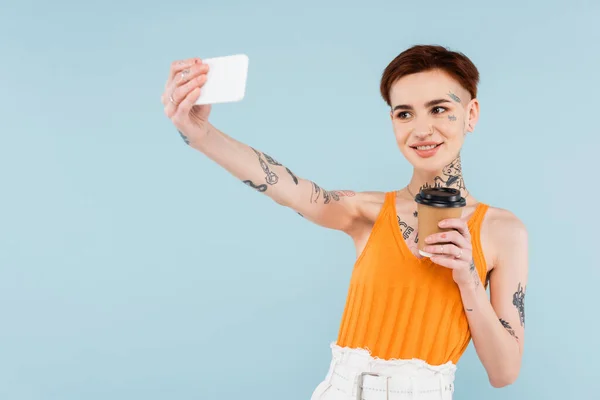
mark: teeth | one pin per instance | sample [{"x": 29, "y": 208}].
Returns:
[{"x": 426, "y": 147}]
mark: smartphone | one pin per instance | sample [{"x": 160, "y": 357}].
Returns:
[{"x": 225, "y": 81}]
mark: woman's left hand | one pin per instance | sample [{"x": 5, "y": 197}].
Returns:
[{"x": 453, "y": 250}]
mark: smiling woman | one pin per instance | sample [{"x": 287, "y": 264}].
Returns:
[{"x": 408, "y": 319}]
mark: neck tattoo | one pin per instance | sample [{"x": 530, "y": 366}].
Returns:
[{"x": 451, "y": 176}]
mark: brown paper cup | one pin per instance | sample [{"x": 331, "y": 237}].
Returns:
[
  {"x": 433, "y": 206},
  {"x": 429, "y": 218}
]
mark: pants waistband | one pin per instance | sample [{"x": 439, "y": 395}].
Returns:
[{"x": 359, "y": 376}]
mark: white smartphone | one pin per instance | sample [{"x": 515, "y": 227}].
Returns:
[{"x": 226, "y": 79}]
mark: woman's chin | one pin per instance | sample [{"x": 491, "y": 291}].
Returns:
[{"x": 427, "y": 166}]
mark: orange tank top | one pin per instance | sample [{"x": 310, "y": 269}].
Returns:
[{"x": 402, "y": 307}]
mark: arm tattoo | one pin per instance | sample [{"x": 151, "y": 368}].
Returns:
[
  {"x": 316, "y": 192},
  {"x": 509, "y": 328},
  {"x": 476, "y": 279},
  {"x": 185, "y": 138},
  {"x": 270, "y": 159},
  {"x": 519, "y": 302},
  {"x": 454, "y": 97},
  {"x": 273, "y": 161},
  {"x": 292, "y": 175},
  {"x": 261, "y": 188},
  {"x": 328, "y": 195},
  {"x": 271, "y": 178}
]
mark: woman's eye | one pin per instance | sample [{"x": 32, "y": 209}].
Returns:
[
  {"x": 438, "y": 108},
  {"x": 403, "y": 115}
]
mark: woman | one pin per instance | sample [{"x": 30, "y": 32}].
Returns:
[{"x": 408, "y": 318}]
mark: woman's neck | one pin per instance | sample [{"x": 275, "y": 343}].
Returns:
[{"x": 450, "y": 176}]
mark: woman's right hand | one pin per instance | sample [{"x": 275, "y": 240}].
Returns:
[{"x": 182, "y": 89}]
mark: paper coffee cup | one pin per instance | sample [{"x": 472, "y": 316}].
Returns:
[{"x": 433, "y": 206}]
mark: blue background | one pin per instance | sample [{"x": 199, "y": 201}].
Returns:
[{"x": 132, "y": 267}]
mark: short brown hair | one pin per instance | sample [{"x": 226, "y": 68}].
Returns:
[{"x": 421, "y": 58}]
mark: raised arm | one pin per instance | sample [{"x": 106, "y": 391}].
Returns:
[
  {"x": 332, "y": 209},
  {"x": 338, "y": 210}
]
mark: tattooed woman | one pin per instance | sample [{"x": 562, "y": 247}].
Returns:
[{"x": 407, "y": 319}]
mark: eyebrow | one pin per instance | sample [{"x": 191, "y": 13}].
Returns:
[{"x": 430, "y": 103}]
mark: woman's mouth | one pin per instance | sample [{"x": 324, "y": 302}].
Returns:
[{"x": 426, "y": 150}]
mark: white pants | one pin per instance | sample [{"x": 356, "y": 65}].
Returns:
[{"x": 355, "y": 375}]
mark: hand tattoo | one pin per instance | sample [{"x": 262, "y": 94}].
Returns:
[
  {"x": 519, "y": 302},
  {"x": 185, "y": 138}
]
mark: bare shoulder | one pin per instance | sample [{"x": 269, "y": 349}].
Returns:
[
  {"x": 507, "y": 233},
  {"x": 504, "y": 222},
  {"x": 369, "y": 205}
]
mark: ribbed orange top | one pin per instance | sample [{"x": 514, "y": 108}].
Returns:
[{"x": 403, "y": 307}]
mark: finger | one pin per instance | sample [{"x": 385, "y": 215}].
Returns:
[
  {"x": 448, "y": 237},
  {"x": 182, "y": 92},
  {"x": 189, "y": 74},
  {"x": 188, "y": 102},
  {"x": 448, "y": 262},
  {"x": 458, "y": 224},
  {"x": 185, "y": 82},
  {"x": 180, "y": 65},
  {"x": 444, "y": 250}
]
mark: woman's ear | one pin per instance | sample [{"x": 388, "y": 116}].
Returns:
[{"x": 472, "y": 115}]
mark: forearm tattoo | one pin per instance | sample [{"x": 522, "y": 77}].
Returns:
[
  {"x": 474, "y": 273},
  {"x": 292, "y": 175},
  {"x": 509, "y": 328},
  {"x": 519, "y": 302},
  {"x": 261, "y": 188},
  {"x": 271, "y": 177},
  {"x": 270, "y": 159}
]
